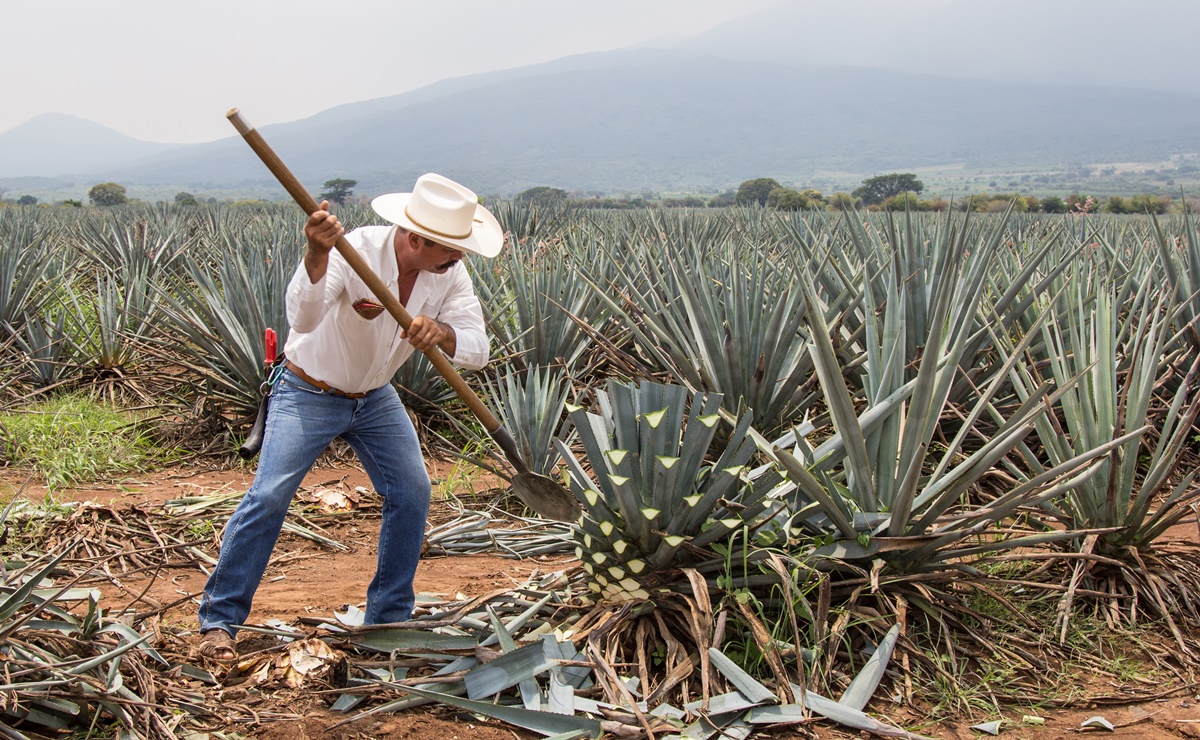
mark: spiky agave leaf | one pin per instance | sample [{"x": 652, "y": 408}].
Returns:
[{"x": 720, "y": 322}]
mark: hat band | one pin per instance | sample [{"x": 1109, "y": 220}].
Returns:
[{"x": 442, "y": 234}]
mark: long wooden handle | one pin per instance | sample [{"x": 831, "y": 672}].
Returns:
[{"x": 359, "y": 265}]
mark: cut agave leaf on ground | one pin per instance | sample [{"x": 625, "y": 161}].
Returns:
[
  {"x": 722, "y": 704},
  {"x": 667, "y": 712},
  {"x": 346, "y": 702},
  {"x": 407, "y": 641},
  {"x": 508, "y": 670},
  {"x": 191, "y": 671},
  {"x": 579, "y": 676},
  {"x": 519, "y": 621},
  {"x": 408, "y": 702},
  {"x": 988, "y": 728},
  {"x": 20, "y": 597},
  {"x": 742, "y": 681},
  {"x": 129, "y": 634},
  {"x": 561, "y": 696},
  {"x": 862, "y": 688},
  {"x": 354, "y": 617},
  {"x": 716, "y": 727},
  {"x": 545, "y": 723},
  {"x": 829, "y": 709},
  {"x": 501, "y": 634},
  {"x": 531, "y": 696}
]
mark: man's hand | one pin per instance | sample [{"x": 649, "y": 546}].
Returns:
[
  {"x": 322, "y": 231},
  {"x": 425, "y": 333}
]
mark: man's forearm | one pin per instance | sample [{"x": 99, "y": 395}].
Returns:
[
  {"x": 315, "y": 264},
  {"x": 449, "y": 344}
]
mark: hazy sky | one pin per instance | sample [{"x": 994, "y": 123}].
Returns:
[{"x": 168, "y": 71}]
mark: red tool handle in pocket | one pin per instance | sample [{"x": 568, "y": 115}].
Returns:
[{"x": 272, "y": 345}]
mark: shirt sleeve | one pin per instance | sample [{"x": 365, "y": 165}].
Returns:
[
  {"x": 462, "y": 311},
  {"x": 308, "y": 302}
]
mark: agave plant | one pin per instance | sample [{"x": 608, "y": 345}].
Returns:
[
  {"x": 1180, "y": 265},
  {"x": 114, "y": 309},
  {"x": 877, "y": 479},
  {"x": 653, "y": 498},
  {"x": 531, "y": 407},
  {"x": 1118, "y": 361},
  {"x": 27, "y": 263},
  {"x": 1136, "y": 495},
  {"x": 421, "y": 386},
  {"x": 223, "y": 318},
  {"x": 47, "y": 350},
  {"x": 719, "y": 324},
  {"x": 533, "y": 299}
]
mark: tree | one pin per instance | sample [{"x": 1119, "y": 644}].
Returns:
[
  {"x": 877, "y": 189},
  {"x": 840, "y": 201},
  {"x": 724, "y": 200},
  {"x": 185, "y": 199},
  {"x": 27, "y": 200},
  {"x": 337, "y": 190},
  {"x": 815, "y": 199},
  {"x": 108, "y": 194},
  {"x": 904, "y": 201},
  {"x": 542, "y": 194},
  {"x": 1147, "y": 203},
  {"x": 1115, "y": 204},
  {"x": 755, "y": 191},
  {"x": 1053, "y": 204},
  {"x": 786, "y": 199},
  {"x": 1079, "y": 203}
]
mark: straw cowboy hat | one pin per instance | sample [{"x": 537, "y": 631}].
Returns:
[{"x": 445, "y": 212}]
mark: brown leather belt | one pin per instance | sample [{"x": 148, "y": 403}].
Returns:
[{"x": 320, "y": 383}]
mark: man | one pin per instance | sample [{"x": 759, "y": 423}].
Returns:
[{"x": 342, "y": 352}]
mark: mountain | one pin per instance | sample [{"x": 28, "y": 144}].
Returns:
[
  {"x": 664, "y": 119},
  {"x": 56, "y": 144},
  {"x": 1103, "y": 43},
  {"x": 667, "y": 120}
]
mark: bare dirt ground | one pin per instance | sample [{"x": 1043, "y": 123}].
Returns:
[{"x": 306, "y": 579}]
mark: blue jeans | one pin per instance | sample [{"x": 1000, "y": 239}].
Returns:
[{"x": 303, "y": 420}]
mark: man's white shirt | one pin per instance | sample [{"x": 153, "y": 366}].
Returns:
[{"x": 331, "y": 342}]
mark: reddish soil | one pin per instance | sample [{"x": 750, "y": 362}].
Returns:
[
  {"x": 308, "y": 580},
  {"x": 305, "y": 579}
]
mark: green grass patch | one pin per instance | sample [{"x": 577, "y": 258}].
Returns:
[{"x": 73, "y": 439}]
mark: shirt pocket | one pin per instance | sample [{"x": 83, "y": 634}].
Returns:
[{"x": 367, "y": 308}]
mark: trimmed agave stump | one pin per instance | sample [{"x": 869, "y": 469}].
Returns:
[{"x": 655, "y": 500}]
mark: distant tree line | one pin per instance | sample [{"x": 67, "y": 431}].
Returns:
[{"x": 896, "y": 191}]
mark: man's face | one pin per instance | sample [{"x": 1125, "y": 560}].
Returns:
[{"x": 437, "y": 258}]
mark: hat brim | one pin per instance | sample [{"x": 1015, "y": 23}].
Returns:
[{"x": 486, "y": 237}]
